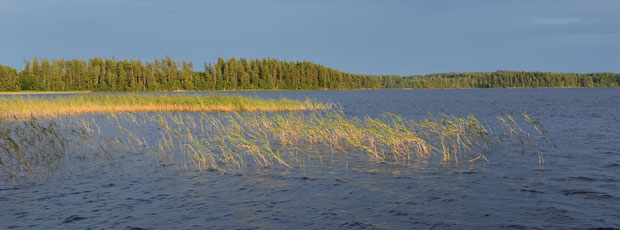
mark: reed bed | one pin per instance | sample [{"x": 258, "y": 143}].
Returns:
[
  {"x": 235, "y": 141},
  {"x": 238, "y": 140},
  {"x": 34, "y": 148},
  {"x": 41, "y": 92},
  {"x": 26, "y": 107}
]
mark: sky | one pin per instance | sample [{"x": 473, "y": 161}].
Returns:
[{"x": 358, "y": 36}]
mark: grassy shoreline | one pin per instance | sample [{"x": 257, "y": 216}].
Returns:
[
  {"x": 18, "y": 107},
  {"x": 174, "y": 91},
  {"x": 41, "y": 92}
]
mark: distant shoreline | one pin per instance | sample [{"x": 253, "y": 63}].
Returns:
[
  {"x": 240, "y": 74},
  {"x": 259, "y": 90}
]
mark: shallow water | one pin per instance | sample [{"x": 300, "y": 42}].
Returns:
[{"x": 577, "y": 189}]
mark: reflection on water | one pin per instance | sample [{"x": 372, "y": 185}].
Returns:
[{"x": 578, "y": 187}]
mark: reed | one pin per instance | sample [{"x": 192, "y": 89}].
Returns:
[
  {"x": 41, "y": 92},
  {"x": 237, "y": 140},
  {"x": 26, "y": 107},
  {"x": 33, "y": 148}
]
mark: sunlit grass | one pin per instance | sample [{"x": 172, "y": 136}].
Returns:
[
  {"x": 26, "y": 107},
  {"x": 245, "y": 138},
  {"x": 237, "y": 140},
  {"x": 41, "y": 92}
]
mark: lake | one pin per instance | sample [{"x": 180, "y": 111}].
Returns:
[{"x": 578, "y": 188}]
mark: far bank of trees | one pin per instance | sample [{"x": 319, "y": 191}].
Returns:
[
  {"x": 503, "y": 79},
  {"x": 165, "y": 74}
]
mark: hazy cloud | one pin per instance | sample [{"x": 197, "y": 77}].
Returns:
[{"x": 554, "y": 21}]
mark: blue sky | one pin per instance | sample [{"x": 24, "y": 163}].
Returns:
[{"x": 373, "y": 37}]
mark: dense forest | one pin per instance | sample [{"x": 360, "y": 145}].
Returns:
[
  {"x": 503, "y": 79},
  {"x": 165, "y": 74}
]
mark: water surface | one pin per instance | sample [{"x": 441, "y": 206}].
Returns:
[{"x": 577, "y": 189}]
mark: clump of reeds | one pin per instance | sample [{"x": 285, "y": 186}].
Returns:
[
  {"x": 30, "y": 148},
  {"x": 236, "y": 140},
  {"x": 41, "y": 92},
  {"x": 26, "y": 107},
  {"x": 34, "y": 148}
]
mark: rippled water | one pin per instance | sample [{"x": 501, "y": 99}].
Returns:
[{"x": 577, "y": 189}]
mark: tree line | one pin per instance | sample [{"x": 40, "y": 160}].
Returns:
[
  {"x": 503, "y": 79},
  {"x": 166, "y": 74}
]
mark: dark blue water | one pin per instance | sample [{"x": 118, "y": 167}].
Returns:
[{"x": 577, "y": 189}]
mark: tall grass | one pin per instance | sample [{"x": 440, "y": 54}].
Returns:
[
  {"x": 34, "y": 148},
  {"x": 41, "y": 92},
  {"x": 237, "y": 140},
  {"x": 26, "y": 107},
  {"x": 234, "y": 141}
]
